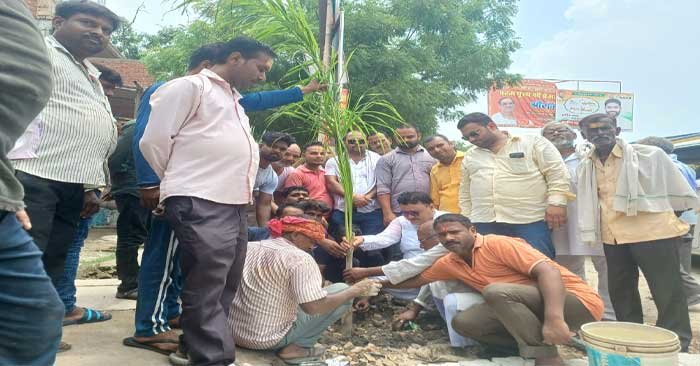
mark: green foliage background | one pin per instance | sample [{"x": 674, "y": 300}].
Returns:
[{"x": 425, "y": 57}]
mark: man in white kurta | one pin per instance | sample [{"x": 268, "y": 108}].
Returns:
[{"x": 571, "y": 251}]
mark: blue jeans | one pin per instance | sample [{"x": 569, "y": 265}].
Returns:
[
  {"x": 160, "y": 280},
  {"x": 31, "y": 314},
  {"x": 536, "y": 234},
  {"x": 66, "y": 283},
  {"x": 256, "y": 233}
]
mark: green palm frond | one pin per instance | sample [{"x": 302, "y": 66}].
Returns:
[{"x": 283, "y": 25}]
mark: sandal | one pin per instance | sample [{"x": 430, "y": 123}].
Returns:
[
  {"x": 89, "y": 316},
  {"x": 313, "y": 354},
  {"x": 150, "y": 344}
]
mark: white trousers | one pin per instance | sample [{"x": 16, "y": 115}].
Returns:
[{"x": 450, "y": 306}]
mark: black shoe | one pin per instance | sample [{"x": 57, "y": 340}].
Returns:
[{"x": 128, "y": 295}]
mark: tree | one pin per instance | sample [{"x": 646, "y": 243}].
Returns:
[
  {"x": 429, "y": 57},
  {"x": 129, "y": 42},
  {"x": 425, "y": 57}
]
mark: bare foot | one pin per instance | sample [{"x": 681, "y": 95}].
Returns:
[{"x": 76, "y": 314}]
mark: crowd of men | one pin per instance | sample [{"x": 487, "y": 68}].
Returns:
[{"x": 245, "y": 240}]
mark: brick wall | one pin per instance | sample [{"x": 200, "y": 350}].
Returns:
[{"x": 130, "y": 70}]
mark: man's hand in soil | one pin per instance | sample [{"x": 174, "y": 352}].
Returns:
[
  {"x": 333, "y": 248},
  {"x": 410, "y": 314},
  {"x": 91, "y": 204},
  {"x": 150, "y": 197}
]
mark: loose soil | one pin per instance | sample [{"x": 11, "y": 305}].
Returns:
[{"x": 372, "y": 341}]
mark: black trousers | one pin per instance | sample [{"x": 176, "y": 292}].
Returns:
[
  {"x": 213, "y": 240},
  {"x": 54, "y": 209},
  {"x": 659, "y": 262},
  {"x": 131, "y": 233}
]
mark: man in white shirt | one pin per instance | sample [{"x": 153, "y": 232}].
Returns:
[
  {"x": 416, "y": 208},
  {"x": 506, "y": 117},
  {"x": 273, "y": 146},
  {"x": 366, "y": 212}
]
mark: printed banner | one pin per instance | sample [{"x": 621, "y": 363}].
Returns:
[
  {"x": 573, "y": 105},
  {"x": 530, "y": 104}
]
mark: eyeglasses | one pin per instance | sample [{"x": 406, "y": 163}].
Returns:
[{"x": 357, "y": 142}]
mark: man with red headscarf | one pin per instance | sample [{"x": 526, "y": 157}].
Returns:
[{"x": 279, "y": 278}]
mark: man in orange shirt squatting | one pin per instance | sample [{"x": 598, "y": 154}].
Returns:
[{"x": 531, "y": 303}]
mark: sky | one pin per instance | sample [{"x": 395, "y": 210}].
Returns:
[{"x": 649, "y": 45}]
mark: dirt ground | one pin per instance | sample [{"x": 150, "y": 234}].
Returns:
[{"x": 372, "y": 341}]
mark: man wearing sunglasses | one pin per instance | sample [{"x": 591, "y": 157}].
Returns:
[
  {"x": 366, "y": 212},
  {"x": 416, "y": 209},
  {"x": 512, "y": 185}
]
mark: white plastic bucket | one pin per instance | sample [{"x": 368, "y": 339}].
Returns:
[{"x": 629, "y": 344}]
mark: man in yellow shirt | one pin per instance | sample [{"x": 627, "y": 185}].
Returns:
[
  {"x": 512, "y": 185},
  {"x": 446, "y": 174},
  {"x": 636, "y": 189}
]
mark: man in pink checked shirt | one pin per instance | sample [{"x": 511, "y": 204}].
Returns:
[{"x": 200, "y": 145}]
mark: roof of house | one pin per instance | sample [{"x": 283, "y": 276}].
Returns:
[
  {"x": 687, "y": 147},
  {"x": 130, "y": 70}
]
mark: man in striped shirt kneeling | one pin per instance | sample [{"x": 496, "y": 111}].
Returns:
[{"x": 281, "y": 304}]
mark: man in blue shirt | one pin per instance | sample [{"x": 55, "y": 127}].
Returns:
[
  {"x": 690, "y": 285},
  {"x": 159, "y": 286}
]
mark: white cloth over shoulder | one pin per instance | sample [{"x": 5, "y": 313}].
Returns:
[{"x": 648, "y": 181}]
